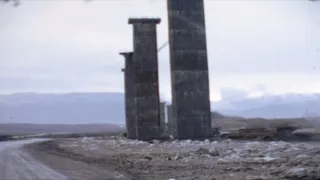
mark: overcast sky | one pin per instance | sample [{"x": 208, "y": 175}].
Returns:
[{"x": 265, "y": 47}]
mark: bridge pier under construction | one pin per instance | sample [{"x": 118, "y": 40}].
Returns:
[
  {"x": 189, "y": 69},
  {"x": 145, "y": 78},
  {"x": 130, "y": 106}
]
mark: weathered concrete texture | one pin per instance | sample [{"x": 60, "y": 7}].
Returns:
[
  {"x": 189, "y": 69},
  {"x": 172, "y": 123},
  {"x": 162, "y": 116},
  {"x": 146, "y": 85},
  {"x": 131, "y": 122}
]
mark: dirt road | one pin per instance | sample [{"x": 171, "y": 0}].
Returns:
[{"x": 17, "y": 164}]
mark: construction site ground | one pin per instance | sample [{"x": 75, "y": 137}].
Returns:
[{"x": 187, "y": 159}]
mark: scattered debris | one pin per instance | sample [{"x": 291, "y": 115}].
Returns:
[
  {"x": 193, "y": 159},
  {"x": 214, "y": 152},
  {"x": 147, "y": 157},
  {"x": 201, "y": 151},
  {"x": 177, "y": 157},
  {"x": 301, "y": 173}
]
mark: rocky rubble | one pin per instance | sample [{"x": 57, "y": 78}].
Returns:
[{"x": 189, "y": 159}]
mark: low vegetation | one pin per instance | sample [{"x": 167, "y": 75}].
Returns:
[
  {"x": 4, "y": 137},
  {"x": 225, "y": 122},
  {"x": 266, "y": 129}
]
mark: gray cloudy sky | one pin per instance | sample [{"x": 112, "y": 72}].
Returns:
[{"x": 265, "y": 47}]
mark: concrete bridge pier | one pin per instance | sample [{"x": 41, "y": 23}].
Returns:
[
  {"x": 130, "y": 107},
  {"x": 189, "y": 69},
  {"x": 146, "y": 85}
]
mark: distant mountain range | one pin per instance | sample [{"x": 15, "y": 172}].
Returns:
[
  {"x": 272, "y": 106},
  {"x": 77, "y": 108},
  {"x": 25, "y": 128},
  {"x": 73, "y": 108}
]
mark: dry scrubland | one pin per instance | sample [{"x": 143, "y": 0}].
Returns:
[
  {"x": 186, "y": 160},
  {"x": 232, "y": 122}
]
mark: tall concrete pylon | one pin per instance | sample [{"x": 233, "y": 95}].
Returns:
[
  {"x": 189, "y": 69},
  {"x": 146, "y": 82},
  {"x": 130, "y": 106}
]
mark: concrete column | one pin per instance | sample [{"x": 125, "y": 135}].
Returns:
[
  {"x": 130, "y": 110},
  {"x": 172, "y": 123},
  {"x": 189, "y": 68},
  {"x": 169, "y": 118},
  {"x": 146, "y": 83},
  {"x": 162, "y": 116}
]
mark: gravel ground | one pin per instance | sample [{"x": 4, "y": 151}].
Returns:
[
  {"x": 66, "y": 163},
  {"x": 205, "y": 160}
]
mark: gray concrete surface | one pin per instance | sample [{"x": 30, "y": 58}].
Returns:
[
  {"x": 16, "y": 164},
  {"x": 146, "y": 81},
  {"x": 162, "y": 116},
  {"x": 130, "y": 106},
  {"x": 189, "y": 69}
]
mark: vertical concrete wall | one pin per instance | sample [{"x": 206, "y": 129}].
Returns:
[
  {"x": 172, "y": 123},
  {"x": 189, "y": 68},
  {"x": 146, "y": 84},
  {"x": 130, "y": 110},
  {"x": 162, "y": 116}
]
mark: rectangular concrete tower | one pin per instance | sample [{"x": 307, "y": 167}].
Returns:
[
  {"x": 189, "y": 69},
  {"x": 146, "y": 85},
  {"x": 130, "y": 110}
]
